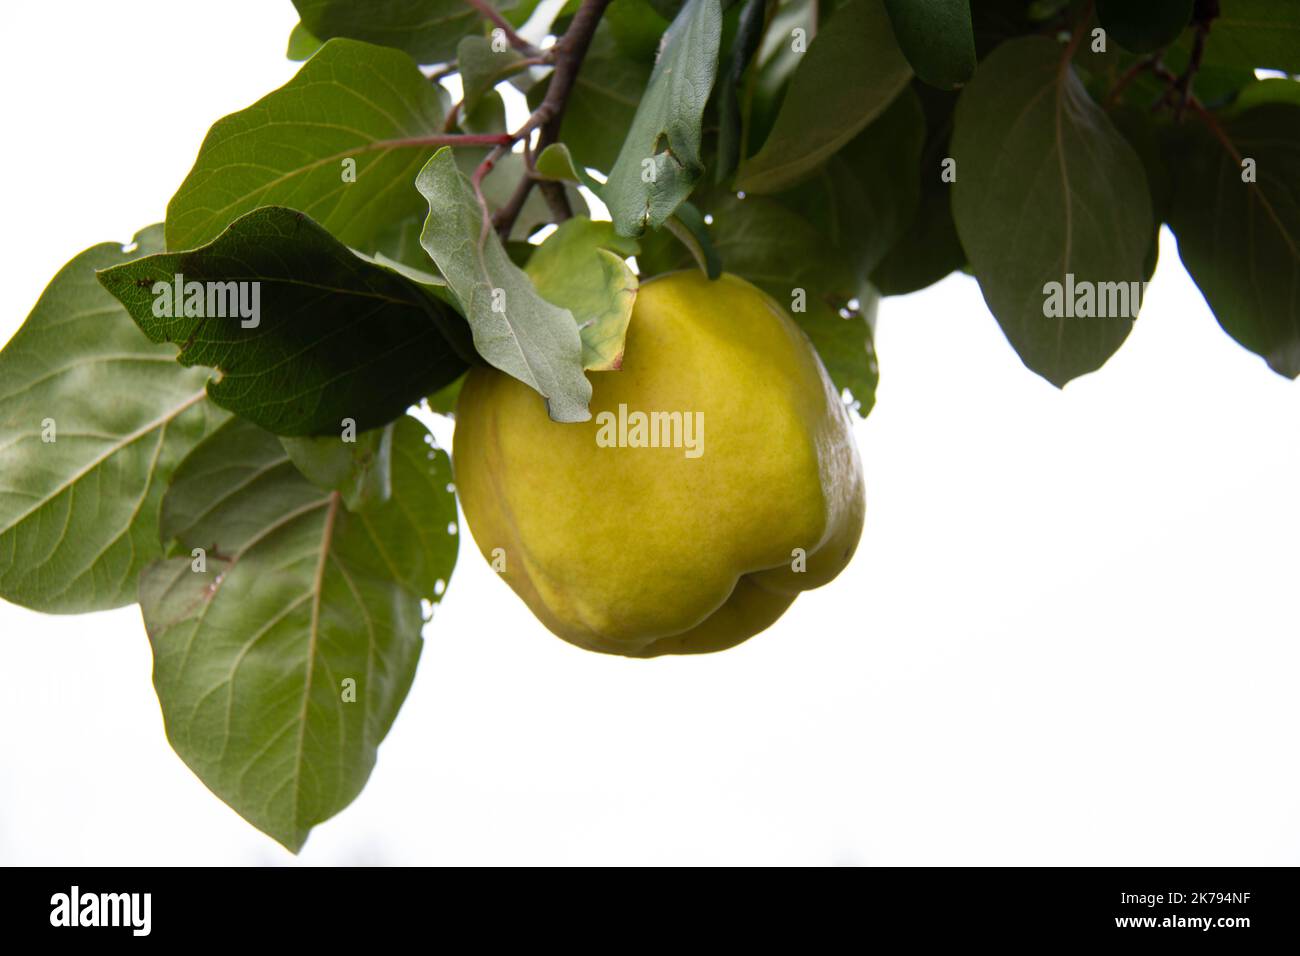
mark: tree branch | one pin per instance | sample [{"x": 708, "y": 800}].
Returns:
[{"x": 569, "y": 52}]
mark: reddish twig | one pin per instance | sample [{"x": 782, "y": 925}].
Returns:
[{"x": 487, "y": 11}]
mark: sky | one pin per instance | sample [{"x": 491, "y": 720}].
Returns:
[{"x": 1069, "y": 635}]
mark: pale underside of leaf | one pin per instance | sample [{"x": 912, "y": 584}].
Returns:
[
  {"x": 514, "y": 328},
  {"x": 79, "y": 499}
]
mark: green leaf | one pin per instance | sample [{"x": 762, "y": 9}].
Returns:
[
  {"x": 1241, "y": 240},
  {"x": 1255, "y": 34},
  {"x": 1140, "y": 129},
  {"x": 866, "y": 195},
  {"x": 296, "y": 598},
  {"x": 776, "y": 62},
  {"x": 928, "y": 248},
  {"x": 778, "y": 249},
  {"x": 93, "y": 420},
  {"x": 426, "y": 29},
  {"x": 1144, "y": 27},
  {"x": 351, "y": 101},
  {"x": 937, "y": 38},
  {"x": 749, "y": 36},
  {"x": 555, "y": 162},
  {"x": 514, "y": 328},
  {"x": 638, "y": 27},
  {"x": 357, "y": 467},
  {"x": 1048, "y": 191},
  {"x": 1273, "y": 89},
  {"x": 581, "y": 267},
  {"x": 850, "y": 74},
  {"x": 487, "y": 117},
  {"x": 336, "y": 335},
  {"x": 660, "y": 163},
  {"x": 603, "y": 101},
  {"x": 482, "y": 68},
  {"x": 302, "y": 44},
  {"x": 844, "y": 340},
  {"x": 691, "y": 230},
  {"x": 444, "y": 400}
]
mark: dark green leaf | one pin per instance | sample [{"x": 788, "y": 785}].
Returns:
[
  {"x": 867, "y": 193},
  {"x": 660, "y": 163},
  {"x": 1048, "y": 191},
  {"x": 850, "y": 74},
  {"x": 1139, "y": 128},
  {"x": 336, "y": 336},
  {"x": 359, "y": 467},
  {"x": 514, "y": 328},
  {"x": 443, "y": 401},
  {"x": 1241, "y": 240},
  {"x": 281, "y": 664},
  {"x": 690, "y": 229},
  {"x": 426, "y": 29},
  {"x": 351, "y": 101},
  {"x": 1255, "y": 34},
  {"x": 937, "y": 37},
  {"x": 928, "y": 248},
  {"x": 1144, "y": 27},
  {"x": 93, "y": 420},
  {"x": 582, "y": 267},
  {"x": 637, "y": 27},
  {"x": 749, "y": 34},
  {"x": 775, "y": 63}
]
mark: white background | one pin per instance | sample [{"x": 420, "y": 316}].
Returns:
[{"x": 1069, "y": 636}]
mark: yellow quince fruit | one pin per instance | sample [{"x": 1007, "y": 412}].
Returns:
[{"x": 716, "y": 480}]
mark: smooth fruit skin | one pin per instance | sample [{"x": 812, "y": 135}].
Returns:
[{"x": 646, "y": 551}]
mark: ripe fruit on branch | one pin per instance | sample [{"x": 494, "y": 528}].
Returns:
[{"x": 717, "y": 478}]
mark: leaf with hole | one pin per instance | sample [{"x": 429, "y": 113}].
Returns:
[{"x": 660, "y": 162}]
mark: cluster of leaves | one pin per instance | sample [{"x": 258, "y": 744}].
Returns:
[{"x": 258, "y": 486}]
